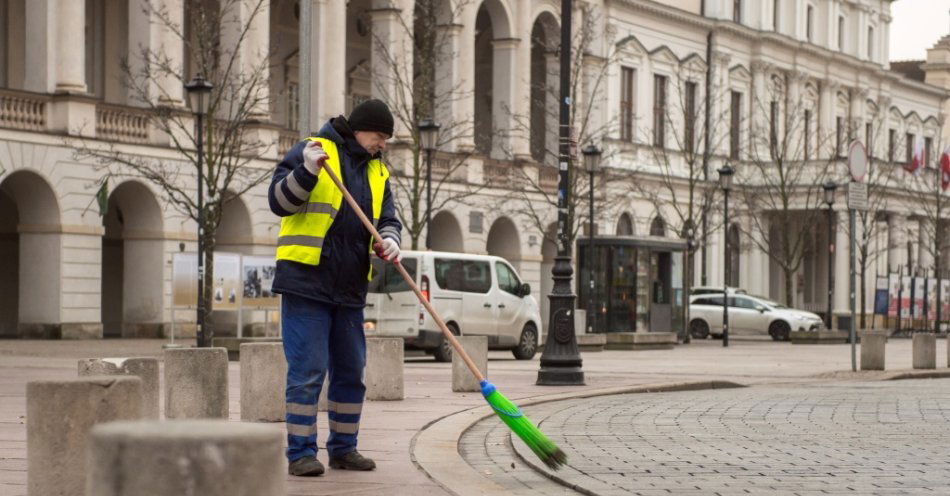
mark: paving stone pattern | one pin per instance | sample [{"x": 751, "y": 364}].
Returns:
[{"x": 845, "y": 438}]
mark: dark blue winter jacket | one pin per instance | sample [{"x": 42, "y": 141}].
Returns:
[{"x": 340, "y": 279}]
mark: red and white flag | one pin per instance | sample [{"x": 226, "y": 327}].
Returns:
[
  {"x": 917, "y": 160},
  {"x": 945, "y": 169}
]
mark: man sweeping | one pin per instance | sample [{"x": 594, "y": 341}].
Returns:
[{"x": 323, "y": 267}]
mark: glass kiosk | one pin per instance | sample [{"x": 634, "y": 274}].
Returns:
[{"x": 638, "y": 283}]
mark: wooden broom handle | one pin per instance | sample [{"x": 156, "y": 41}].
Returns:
[{"x": 405, "y": 275}]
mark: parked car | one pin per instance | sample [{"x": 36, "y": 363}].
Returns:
[
  {"x": 749, "y": 315},
  {"x": 476, "y": 295},
  {"x": 701, "y": 290}
]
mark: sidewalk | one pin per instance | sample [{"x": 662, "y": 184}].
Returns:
[{"x": 389, "y": 430}]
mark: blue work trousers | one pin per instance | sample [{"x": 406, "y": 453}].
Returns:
[{"x": 321, "y": 338}]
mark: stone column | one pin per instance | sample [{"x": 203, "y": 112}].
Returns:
[
  {"x": 145, "y": 369},
  {"x": 40, "y": 298},
  {"x": 59, "y": 415},
  {"x": 56, "y": 46},
  {"x": 206, "y": 457},
  {"x": 196, "y": 383},
  {"x": 251, "y": 20},
  {"x": 464, "y": 76},
  {"x": 896, "y": 242},
  {"x": 842, "y": 294},
  {"x": 391, "y": 58},
  {"x": 328, "y": 61},
  {"x": 447, "y": 74},
  {"x": 148, "y": 32},
  {"x": 504, "y": 109},
  {"x": 925, "y": 259}
]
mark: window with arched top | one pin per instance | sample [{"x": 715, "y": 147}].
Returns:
[
  {"x": 625, "y": 225},
  {"x": 658, "y": 227}
]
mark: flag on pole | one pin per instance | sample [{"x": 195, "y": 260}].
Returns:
[
  {"x": 917, "y": 161},
  {"x": 945, "y": 169},
  {"x": 102, "y": 197}
]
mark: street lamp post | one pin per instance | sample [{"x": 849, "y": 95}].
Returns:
[
  {"x": 428, "y": 132},
  {"x": 592, "y": 164},
  {"x": 830, "y": 187},
  {"x": 725, "y": 182},
  {"x": 199, "y": 95},
  {"x": 561, "y": 361}
]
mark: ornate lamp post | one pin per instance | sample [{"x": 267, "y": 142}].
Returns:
[
  {"x": 561, "y": 361},
  {"x": 592, "y": 164},
  {"x": 829, "y": 189},
  {"x": 428, "y": 132},
  {"x": 199, "y": 95},
  {"x": 725, "y": 182}
]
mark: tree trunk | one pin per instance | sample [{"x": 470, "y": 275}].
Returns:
[
  {"x": 208, "y": 289},
  {"x": 788, "y": 286},
  {"x": 864, "y": 294}
]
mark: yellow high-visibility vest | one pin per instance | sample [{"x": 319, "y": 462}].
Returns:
[{"x": 302, "y": 234}]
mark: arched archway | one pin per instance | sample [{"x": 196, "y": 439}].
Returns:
[
  {"x": 132, "y": 263},
  {"x": 625, "y": 225},
  {"x": 544, "y": 76},
  {"x": 495, "y": 52},
  {"x": 234, "y": 235},
  {"x": 30, "y": 244},
  {"x": 503, "y": 241},
  {"x": 234, "y": 231},
  {"x": 446, "y": 233}
]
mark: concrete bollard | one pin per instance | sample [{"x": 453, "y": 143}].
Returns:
[
  {"x": 143, "y": 368},
  {"x": 206, "y": 457},
  {"x": 384, "y": 369},
  {"x": 925, "y": 350},
  {"x": 196, "y": 383},
  {"x": 263, "y": 381},
  {"x": 59, "y": 416},
  {"x": 872, "y": 350},
  {"x": 477, "y": 349}
]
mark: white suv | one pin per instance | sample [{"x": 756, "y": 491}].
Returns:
[
  {"x": 747, "y": 315},
  {"x": 476, "y": 295}
]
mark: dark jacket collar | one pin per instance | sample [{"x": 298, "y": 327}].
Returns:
[{"x": 338, "y": 131}]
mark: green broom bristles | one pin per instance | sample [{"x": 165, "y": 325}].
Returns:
[{"x": 510, "y": 414}]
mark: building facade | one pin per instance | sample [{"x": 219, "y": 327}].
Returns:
[{"x": 490, "y": 70}]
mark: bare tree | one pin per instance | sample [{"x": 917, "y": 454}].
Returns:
[
  {"x": 879, "y": 180},
  {"x": 933, "y": 212},
  {"x": 676, "y": 181},
  {"x": 781, "y": 176},
  {"x": 535, "y": 189},
  {"x": 414, "y": 92},
  {"x": 216, "y": 39}
]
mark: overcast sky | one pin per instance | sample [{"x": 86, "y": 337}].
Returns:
[{"x": 917, "y": 26}]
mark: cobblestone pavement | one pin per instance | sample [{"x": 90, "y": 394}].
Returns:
[{"x": 853, "y": 438}]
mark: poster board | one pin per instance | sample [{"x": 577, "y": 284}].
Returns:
[
  {"x": 931, "y": 299},
  {"x": 881, "y": 296},
  {"x": 906, "y": 289},
  {"x": 258, "y": 276},
  {"x": 893, "y": 291},
  {"x": 918, "y": 297},
  {"x": 226, "y": 288}
]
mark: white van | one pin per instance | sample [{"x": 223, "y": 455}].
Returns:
[{"x": 476, "y": 295}]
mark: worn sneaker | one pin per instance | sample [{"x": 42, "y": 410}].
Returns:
[
  {"x": 307, "y": 466},
  {"x": 352, "y": 461}
]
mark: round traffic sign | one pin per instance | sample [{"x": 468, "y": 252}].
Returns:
[{"x": 857, "y": 161}]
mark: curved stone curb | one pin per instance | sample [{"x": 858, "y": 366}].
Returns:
[
  {"x": 883, "y": 375},
  {"x": 435, "y": 450}
]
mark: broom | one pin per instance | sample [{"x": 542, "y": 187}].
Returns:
[{"x": 510, "y": 414}]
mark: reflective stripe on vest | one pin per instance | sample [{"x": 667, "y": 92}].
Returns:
[{"x": 302, "y": 234}]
